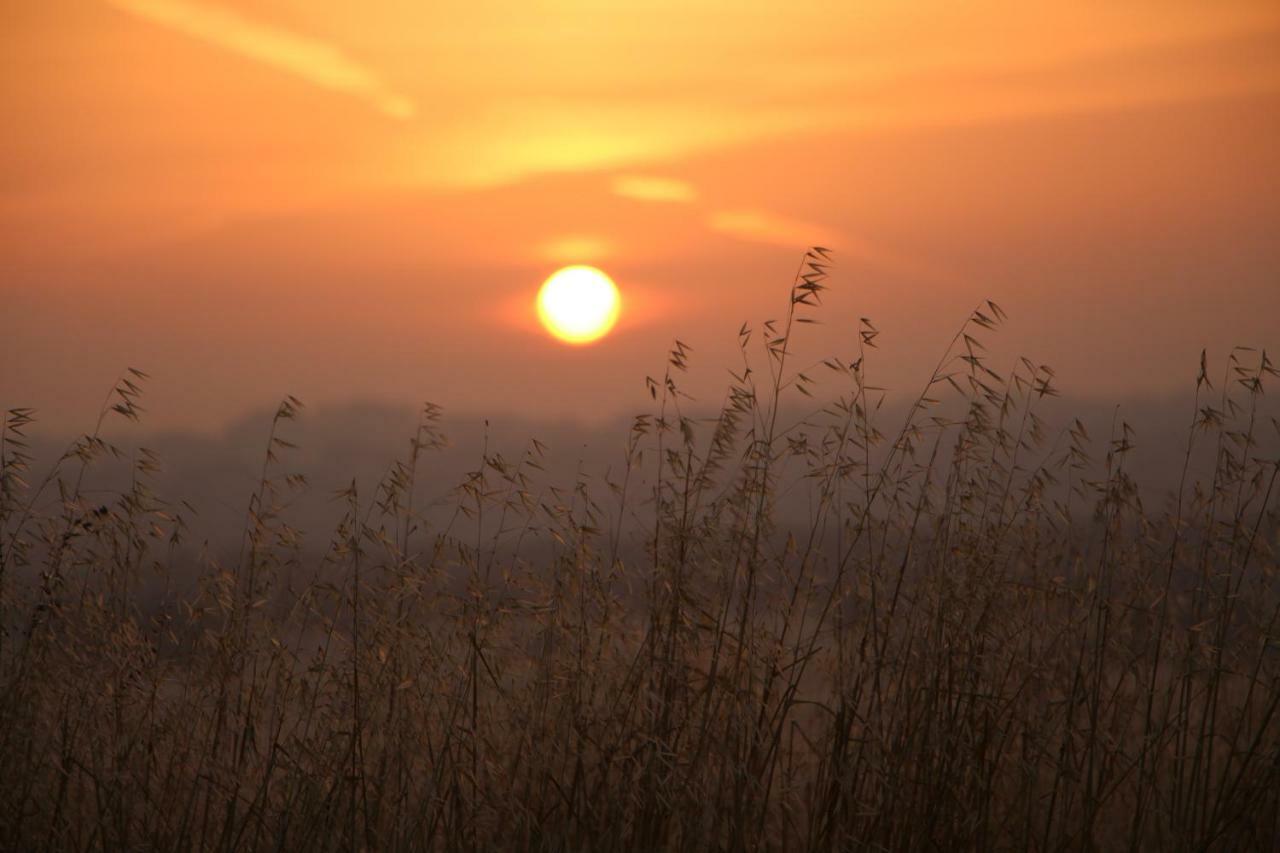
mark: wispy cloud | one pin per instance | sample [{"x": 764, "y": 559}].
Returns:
[
  {"x": 575, "y": 248},
  {"x": 315, "y": 61},
  {"x": 650, "y": 188},
  {"x": 762, "y": 227}
]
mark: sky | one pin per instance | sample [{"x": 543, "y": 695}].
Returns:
[{"x": 358, "y": 201}]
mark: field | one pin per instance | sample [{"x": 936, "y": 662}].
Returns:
[{"x": 967, "y": 628}]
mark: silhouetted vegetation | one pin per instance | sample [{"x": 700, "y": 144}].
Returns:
[{"x": 969, "y": 629}]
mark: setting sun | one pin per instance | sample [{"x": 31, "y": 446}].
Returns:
[{"x": 578, "y": 304}]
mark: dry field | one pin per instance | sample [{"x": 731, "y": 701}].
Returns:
[{"x": 967, "y": 629}]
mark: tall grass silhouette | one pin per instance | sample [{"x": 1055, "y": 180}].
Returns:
[{"x": 975, "y": 635}]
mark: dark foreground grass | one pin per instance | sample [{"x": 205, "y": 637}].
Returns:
[{"x": 976, "y": 636}]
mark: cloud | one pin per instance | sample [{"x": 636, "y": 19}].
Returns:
[
  {"x": 575, "y": 248},
  {"x": 649, "y": 188},
  {"x": 762, "y": 227},
  {"x": 315, "y": 61}
]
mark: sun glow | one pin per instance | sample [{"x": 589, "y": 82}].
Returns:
[{"x": 579, "y": 304}]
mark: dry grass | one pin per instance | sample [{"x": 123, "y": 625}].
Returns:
[{"x": 976, "y": 636}]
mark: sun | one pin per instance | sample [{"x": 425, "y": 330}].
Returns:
[{"x": 579, "y": 304}]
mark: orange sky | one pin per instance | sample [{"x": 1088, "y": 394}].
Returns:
[{"x": 358, "y": 200}]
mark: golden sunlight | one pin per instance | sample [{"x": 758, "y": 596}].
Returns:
[{"x": 579, "y": 304}]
